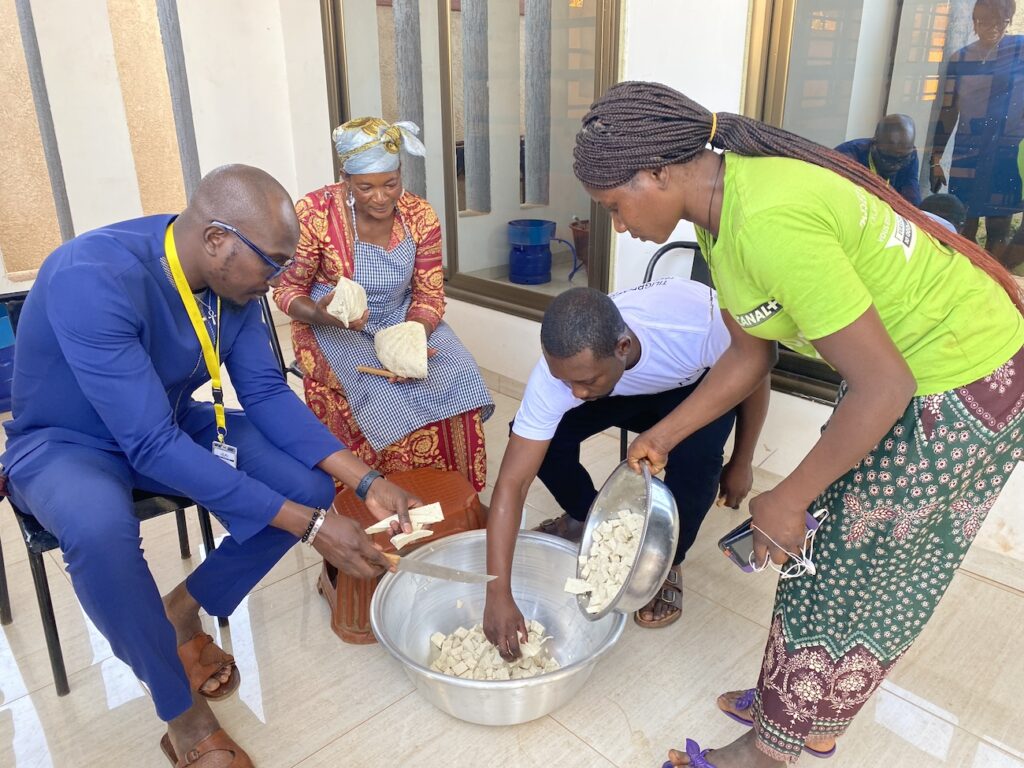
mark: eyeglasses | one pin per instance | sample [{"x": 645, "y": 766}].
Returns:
[
  {"x": 276, "y": 268},
  {"x": 994, "y": 24}
]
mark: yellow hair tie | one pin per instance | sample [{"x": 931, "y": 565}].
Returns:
[{"x": 714, "y": 126}]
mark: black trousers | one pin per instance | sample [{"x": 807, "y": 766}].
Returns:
[{"x": 693, "y": 469}]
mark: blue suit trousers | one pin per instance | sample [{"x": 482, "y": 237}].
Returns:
[{"x": 83, "y": 496}]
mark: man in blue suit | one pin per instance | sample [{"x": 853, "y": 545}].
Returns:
[
  {"x": 891, "y": 154},
  {"x": 122, "y": 325}
]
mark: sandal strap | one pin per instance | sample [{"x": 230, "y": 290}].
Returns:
[
  {"x": 673, "y": 583},
  {"x": 218, "y": 741},
  {"x": 698, "y": 757},
  {"x": 202, "y": 659},
  {"x": 673, "y": 597},
  {"x": 674, "y": 578},
  {"x": 672, "y": 590}
]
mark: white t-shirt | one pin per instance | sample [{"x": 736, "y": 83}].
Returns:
[{"x": 681, "y": 335}]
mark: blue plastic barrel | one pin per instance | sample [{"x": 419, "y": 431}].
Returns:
[
  {"x": 529, "y": 261},
  {"x": 6, "y": 359}
]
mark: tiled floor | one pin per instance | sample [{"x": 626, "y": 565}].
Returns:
[{"x": 309, "y": 700}]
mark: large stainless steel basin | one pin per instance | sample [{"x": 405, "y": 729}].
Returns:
[{"x": 407, "y": 608}]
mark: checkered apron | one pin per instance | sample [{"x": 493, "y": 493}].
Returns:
[{"x": 387, "y": 412}]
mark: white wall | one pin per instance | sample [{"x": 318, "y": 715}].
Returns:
[
  {"x": 307, "y": 94},
  {"x": 240, "y": 85},
  {"x": 505, "y": 344},
  {"x": 684, "y": 44}
]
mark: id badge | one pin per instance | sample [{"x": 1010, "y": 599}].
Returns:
[{"x": 226, "y": 453}]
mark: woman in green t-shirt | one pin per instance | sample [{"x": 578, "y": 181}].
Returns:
[{"x": 810, "y": 248}]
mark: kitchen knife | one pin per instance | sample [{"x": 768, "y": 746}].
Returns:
[{"x": 413, "y": 565}]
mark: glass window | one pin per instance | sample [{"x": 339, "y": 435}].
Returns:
[
  {"x": 953, "y": 70},
  {"x": 930, "y": 95},
  {"x": 524, "y": 77},
  {"x": 499, "y": 89}
]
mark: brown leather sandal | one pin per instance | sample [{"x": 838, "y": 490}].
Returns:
[
  {"x": 220, "y": 749},
  {"x": 203, "y": 659},
  {"x": 671, "y": 594},
  {"x": 564, "y": 527}
]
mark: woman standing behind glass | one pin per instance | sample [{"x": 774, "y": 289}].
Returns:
[
  {"x": 983, "y": 100},
  {"x": 369, "y": 229}
]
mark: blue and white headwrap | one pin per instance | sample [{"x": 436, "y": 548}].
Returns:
[{"x": 373, "y": 145}]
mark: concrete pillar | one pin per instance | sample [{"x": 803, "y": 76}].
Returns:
[
  {"x": 476, "y": 105},
  {"x": 538, "y": 100},
  {"x": 409, "y": 74}
]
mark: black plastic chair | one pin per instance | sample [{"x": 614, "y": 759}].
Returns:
[
  {"x": 699, "y": 272},
  {"x": 39, "y": 541},
  {"x": 275, "y": 343}
]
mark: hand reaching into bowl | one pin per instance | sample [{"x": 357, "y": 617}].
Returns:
[{"x": 504, "y": 625}]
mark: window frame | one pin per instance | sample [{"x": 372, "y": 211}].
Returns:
[
  {"x": 510, "y": 299},
  {"x": 769, "y": 44}
]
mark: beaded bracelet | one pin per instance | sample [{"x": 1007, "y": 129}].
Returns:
[{"x": 314, "y": 525}]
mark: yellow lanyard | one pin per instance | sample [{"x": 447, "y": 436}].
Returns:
[
  {"x": 210, "y": 353},
  {"x": 871, "y": 167}
]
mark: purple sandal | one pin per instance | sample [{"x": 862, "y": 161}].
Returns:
[
  {"x": 745, "y": 702},
  {"x": 697, "y": 756}
]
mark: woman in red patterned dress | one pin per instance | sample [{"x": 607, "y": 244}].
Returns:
[{"x": 369, "y": 229}]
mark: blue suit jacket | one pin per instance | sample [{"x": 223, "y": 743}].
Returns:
[
  {"x": 106, "y": 357},
  {"x": 906, "y": 181}
]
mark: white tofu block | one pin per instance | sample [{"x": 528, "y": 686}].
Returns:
[
  {"x": 381, "y": 525},
  {"x": 404, "y": 539},
  {"x": 577, "y": 586},
  {"x": 428, "y": 513},
  {"x": 349, "y": 301}
]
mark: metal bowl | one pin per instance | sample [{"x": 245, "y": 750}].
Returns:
[
  {"x": 625, "y": 489},
  {"x": 408, "y": 608}
]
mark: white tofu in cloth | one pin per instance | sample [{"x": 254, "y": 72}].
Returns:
[
  {"x": 402, "y": 349},
  {"x": 349, "y": 302}
]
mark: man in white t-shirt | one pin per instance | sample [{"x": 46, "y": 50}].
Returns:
[{"x": 625, "y": 360}]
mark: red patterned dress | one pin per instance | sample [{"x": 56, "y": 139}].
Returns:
[{"x": 325, "y": 253}]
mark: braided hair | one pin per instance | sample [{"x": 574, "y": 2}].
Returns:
[{"x": 639, "y": 125}]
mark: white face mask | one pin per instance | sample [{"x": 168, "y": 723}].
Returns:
[{"x": 801, "y": 564}]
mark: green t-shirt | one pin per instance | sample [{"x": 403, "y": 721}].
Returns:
[{"x": 802, "y": 252}]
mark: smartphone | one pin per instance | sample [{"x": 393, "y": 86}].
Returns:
[{"x": 738, "y": 544}]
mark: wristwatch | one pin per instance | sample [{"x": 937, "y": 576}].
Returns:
[{"x": 364, "y": 485}]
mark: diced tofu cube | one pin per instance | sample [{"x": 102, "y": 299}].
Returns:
[{"x": 577, "y": 586}]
